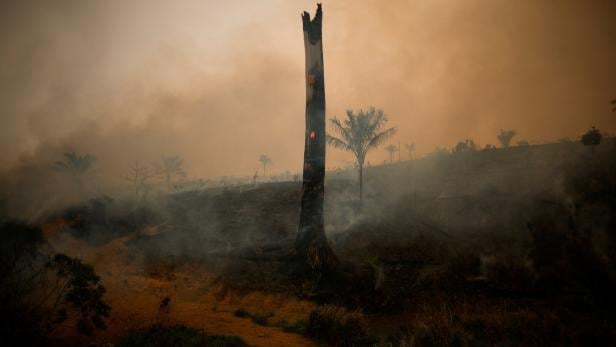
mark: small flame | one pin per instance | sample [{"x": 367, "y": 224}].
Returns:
[{"x": 312, "y": 135}]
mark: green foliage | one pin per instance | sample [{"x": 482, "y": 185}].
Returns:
[
  {"x": 505, "y": 137},
  {"x": 20, "y": 263},
  {"x": 337, "y": 326},
  {"x": 177, "y": 336},
  {"x": 83, "y": 291},
  {"x": 40, "y": 292}
]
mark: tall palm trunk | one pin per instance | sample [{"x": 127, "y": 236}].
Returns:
[
  {"x": 311, "y": 244},
  {"x": 360, "y": 163}
]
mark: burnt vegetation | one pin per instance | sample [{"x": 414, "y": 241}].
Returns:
[
  {"x": 468, "y": 245},
  {"x": 481, "y": 246}
]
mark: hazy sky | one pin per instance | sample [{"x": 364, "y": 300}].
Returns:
[{"x": 221, "y": 82}]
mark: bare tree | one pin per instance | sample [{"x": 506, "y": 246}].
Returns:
[
  {"x": 138, "y": 176},
  {"x": 358, "y": 134},
  {"x": 505, "y": 137},
  {"x": 265, "y": 161},
  {"x": 391, "y": 149}
]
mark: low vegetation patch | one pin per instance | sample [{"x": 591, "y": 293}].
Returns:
[
  {"x": 337, "y": 326},
  {"x": 179, "y": 336},
  {"x": 299, "y": 327},
  {"x": 257, "y": 318}
]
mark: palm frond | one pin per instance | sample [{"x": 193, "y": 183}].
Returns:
[
  {"x": 380, "y": 137},
  {"x": 338, "y": 143},
  {"x": 339, "y": 128}
]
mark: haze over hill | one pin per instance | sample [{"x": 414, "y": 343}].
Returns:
[{"x": 220, "y": 83}]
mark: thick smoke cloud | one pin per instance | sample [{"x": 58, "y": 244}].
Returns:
[{"x": 221, "y": 82}]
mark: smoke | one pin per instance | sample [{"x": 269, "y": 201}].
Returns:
[{"x": 221, "y": 83}]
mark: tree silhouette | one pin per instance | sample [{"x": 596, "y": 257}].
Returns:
[
  {"x": 358, "y": 134},
  {"x": 505, "y": 136},
  {"x": 265, "y": 161},
  {"x": 465, "y": 146},
  {"x": 391, "y": 149},
  {"x": 138, "y": 176},
  {"x": 172, "y": 166},
  {"x": 591, "y": 138},
  {"x": 75, "y": 163},
  {"x": 410, "y": 147}
]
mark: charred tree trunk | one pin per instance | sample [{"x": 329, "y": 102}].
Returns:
[{"x": 311, "y": 244}]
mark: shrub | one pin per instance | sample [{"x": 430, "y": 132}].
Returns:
[
  {"x": 242, "y": 313},
  {"x": 337, "y": 326},
  {"x": 257, "y": 318},
  {"x": 298, "y": 327}
]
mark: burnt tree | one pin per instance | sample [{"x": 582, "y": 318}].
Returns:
[{"x": 311, "y": 244}]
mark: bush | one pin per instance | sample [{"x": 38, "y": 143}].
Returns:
[
  {"x": 337, "y": 326},
  {"x": 178, "y": 336},
  {"x": 298, "y": 327},
  {"x": 242, "y": 313},
  {"x": 40, "y": 291},
  {"x": 257, "y": 318}
]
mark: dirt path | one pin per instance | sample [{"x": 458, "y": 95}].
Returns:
[{"x": 135, "y": 299}]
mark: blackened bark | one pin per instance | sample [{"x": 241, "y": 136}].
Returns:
[{"x": 311, "y": 244}]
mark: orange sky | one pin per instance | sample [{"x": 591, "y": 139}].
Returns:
[{"x": 221, "y": 82}]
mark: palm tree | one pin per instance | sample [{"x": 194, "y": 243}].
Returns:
[
  {"x": 77, "y": 167},
  {"x": 265, "y": 160},
  {"x": 391, "y": 149},
  {"x": 358, "y": 134},
  {"x": 75, "y": 163},
  {"x": 505, "y": 136},
  {"x": 410, "y": 147},
  {"x": 172, "y": 166}
]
